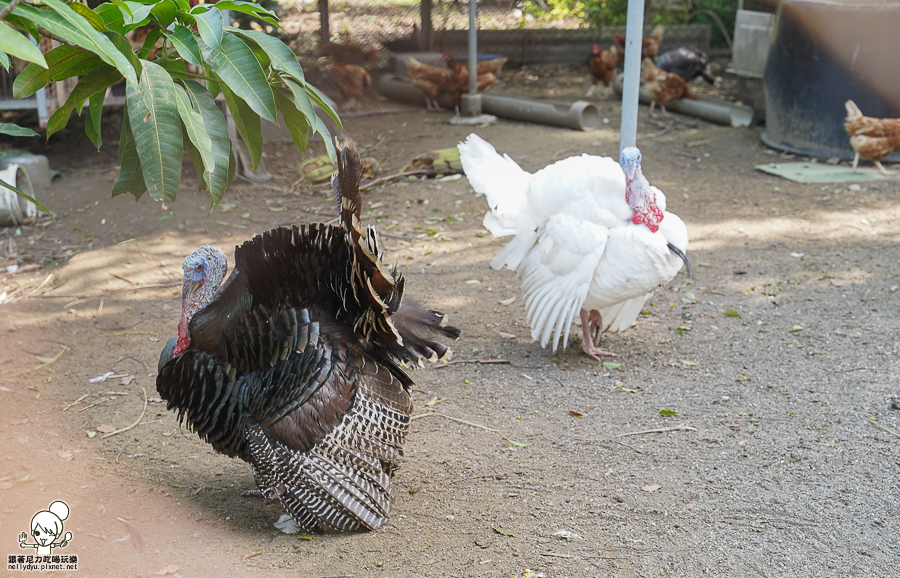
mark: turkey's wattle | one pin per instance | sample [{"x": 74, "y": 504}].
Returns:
[{"x": 638, "y": 193}]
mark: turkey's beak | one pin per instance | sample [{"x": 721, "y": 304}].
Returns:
[
  {"x": 629, "y": 169},
  {"x": 189, "y": 289}
]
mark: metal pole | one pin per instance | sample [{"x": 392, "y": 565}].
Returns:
[
  {"x": 473, "y": 49},
  {"x": 427, "y": 42},
  {"x": 324, "y": 33},
  {"x": 634, "y": 31}
]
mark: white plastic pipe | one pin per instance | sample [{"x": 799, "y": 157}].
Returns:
[{"x": 634, "y": 32}]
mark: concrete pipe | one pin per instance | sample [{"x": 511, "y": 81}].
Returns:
[
  {"x": 579, "y": 115},
  {"x": 708, "y": 108}
]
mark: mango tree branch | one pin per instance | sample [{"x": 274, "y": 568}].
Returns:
[
  {"x": 52, "y": 36},
  {"x": 8, "y": 10}
]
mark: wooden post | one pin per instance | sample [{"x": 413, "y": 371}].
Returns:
[
  {"x": 324, "y": 32},
  {"x": 427, "y": 41}
]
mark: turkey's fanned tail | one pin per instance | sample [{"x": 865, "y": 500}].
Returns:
[
  {"x": 405, "y": 328},
  {"x": 505, "y": 185}
]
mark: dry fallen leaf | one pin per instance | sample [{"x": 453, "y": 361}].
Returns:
[
  {"x": 574, "y": 413},
  {"x": 105, "y": 428},
  {"x": 65, "y": 455},
  {"x": 135, "y": 533},
  {"x": 126, "y": 379},
  {"x": 508, "y": 301},
  {"x": 651, "y": 488},
  {"x": 22, "y": 421},
  {"x": 170, "y": 569},
  {"x": 504, "y": 335},
  {"x": 250, "y": 555}
]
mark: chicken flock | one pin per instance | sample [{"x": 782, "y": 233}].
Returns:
[{"x": 664, "y": 76}]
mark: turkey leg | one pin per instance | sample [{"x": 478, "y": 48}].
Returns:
[{"x": 592, "y": 328}]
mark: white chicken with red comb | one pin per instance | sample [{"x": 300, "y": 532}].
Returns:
[{"x": 590, "y": 236}]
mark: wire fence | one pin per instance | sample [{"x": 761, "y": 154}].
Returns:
[{"x": 373, "y": 22}]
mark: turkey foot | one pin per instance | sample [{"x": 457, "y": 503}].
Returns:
[{"x": 592, "y": 327}]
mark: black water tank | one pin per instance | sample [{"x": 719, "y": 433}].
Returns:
[{"x": 822, "y": 54}]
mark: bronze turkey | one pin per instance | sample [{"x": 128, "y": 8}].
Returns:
[{"x": 293, "y": 364}]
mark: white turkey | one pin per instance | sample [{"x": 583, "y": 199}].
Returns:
[
  {"x": 294, "y": 363},
  {"x": 589, "y": 235}
]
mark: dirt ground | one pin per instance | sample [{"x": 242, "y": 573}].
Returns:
[{"x": 779, "y": 461}]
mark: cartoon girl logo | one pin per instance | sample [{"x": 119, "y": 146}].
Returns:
[{"x": 46, "y": 527}]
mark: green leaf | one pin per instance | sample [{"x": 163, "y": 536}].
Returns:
[
  {"x": 124, "y": 46},
  {"x": 795, "y": 328},
  {"x": 27, "y": 197},
  {"x": 250, "y": 8},
  {"x": 731, "y": 313},
  {"x": 196, "y": 161},
  {"x": 112, "y": 16},
  {"x": 323, "y": 102},
  {"x": 150, "y": 41},
  {"x": 282, "y": 58},
  {"x": 135, "y": 13},
  {"x": 184, "y": 42},
  {"x": 13, "y": 42},
  {"x": 504, "y": 531},
  {"x": 97, "y": 80},
  {"x": 241, "y": 72},
  {"x": 667, "y": 413},
  {"x": 247, "y": 123},
  {"x": 131, "y": 176},
  {"x": 92, "y": 17},
  {"x": 218, "y": 181},
  {"x": 301, "y": 98},
  {"x": 688, "y": 298},
  {"x": 154, "y": 121},
  {"x": 92, "y": 119},
  {"x": 687, "y": 363},
  {"x": 209, "y": 25},
  {"x": 164, "y": 13},
  {"x": 72, "y": 26},
  {"x": 609, "y": 365},
  {"x": 16, "y": 130},
  {"x": 294, "y": 120},
  {"x": 64, "y": 62},
  {"x": 4, "y": 61},
  {"x": 23, "y": 23},
  {"x": 193, "y": 125}
]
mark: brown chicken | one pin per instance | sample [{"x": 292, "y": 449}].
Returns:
[
  {"x": 352, "y": 81},
  {"x": 871, "y": 138},
  {"x": 348, "y": 53},
  {"x": 487, "y": 71},
  {"x": 433, "y": 81},
  {"x": 649, "y": 44},
  {"x": 602, "y": 67},
  {"x": 662, "y": 86}
]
